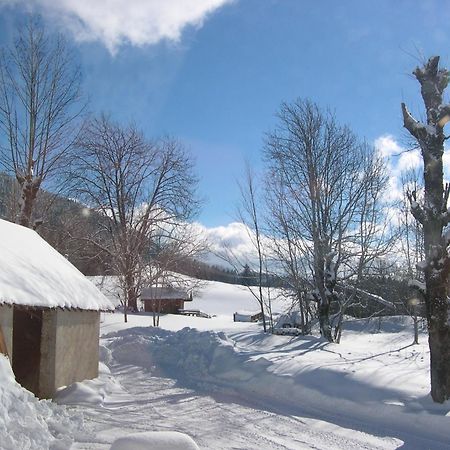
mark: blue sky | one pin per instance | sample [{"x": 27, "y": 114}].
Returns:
[{"x": 213, "y": 73}]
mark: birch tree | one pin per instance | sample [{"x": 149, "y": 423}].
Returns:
[
  {"x": 39, "y": 107},
  {"x": 432, "y": 213}
]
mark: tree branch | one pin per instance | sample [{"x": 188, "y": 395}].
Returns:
[
  {"x": 443, "y": 115},
  {"x": 416, "y": 210},
  {"x": 416, "y": 128}
]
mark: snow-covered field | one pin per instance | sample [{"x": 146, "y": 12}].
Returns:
[{"x": 229, "y": 386}]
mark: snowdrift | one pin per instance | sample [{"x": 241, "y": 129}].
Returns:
[
  {"x": 213, "y": 362},
  {"x": 155, "y": 440},
  {"x": 29, "y": 423}
]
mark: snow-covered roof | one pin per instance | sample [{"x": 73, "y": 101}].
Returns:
[
  {"x": 109, "y": 286},
  {"x": 247, "y": 313},
  {"x": 33, "y": 273},
  {"x": 166, "y": 293}
]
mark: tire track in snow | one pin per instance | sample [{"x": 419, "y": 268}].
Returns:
[{"x": 219, "y": 421}]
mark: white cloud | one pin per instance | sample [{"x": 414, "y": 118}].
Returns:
[
  {"x": 393, "y": 191},
  {"x": 231, "y": 245},
  {"x": 116, "y": 22},
  {"x": 232, "y": 240},
  {"x": 387, "y": 146},
  {"x": 446, "y": 162},
  {"x": 399, "y": 160},
  {"x": 409, "y": 160}
]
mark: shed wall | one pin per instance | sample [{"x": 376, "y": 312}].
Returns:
[
  {"x": 47, "y": 385},
  {"x": 70, "y": 342},
  {"x": 6, "y": 323},
  {"x": 164, "y": 306}
]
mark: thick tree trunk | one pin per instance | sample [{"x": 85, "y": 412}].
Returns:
[
  {"x": 433, "y": 215},
  {"x": 132, "y": 298},
  {"x": 327, "y": 283},
  {"x": 438, "y": 333},
  {"x": 323, "y": 299},
  {"x": 130, "y": 291},
  {"x": 439, "y": 342},
  {"x": 324, "y": 321},
  {"x": 30, "y": 188}
]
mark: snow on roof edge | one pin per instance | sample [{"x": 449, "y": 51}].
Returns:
[{"x": 34, "y": 274}]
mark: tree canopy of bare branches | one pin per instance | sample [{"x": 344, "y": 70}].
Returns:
[
  {"x": 324, "y": 192},
  {"x": 146, "y": 192},
  {"x": 40, "y": 103}
]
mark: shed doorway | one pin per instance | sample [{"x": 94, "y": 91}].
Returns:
[{"x": 27, "y": 331}]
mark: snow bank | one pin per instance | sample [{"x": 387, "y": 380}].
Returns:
[
  {"x": 329, "y": 387},
  {"x": 155, "y": 440},
  {"x": 91, "y": 392},
  {"x": 27, "y": 423}
]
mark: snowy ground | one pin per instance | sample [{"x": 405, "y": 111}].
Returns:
[{"x": 229, "y": 386}]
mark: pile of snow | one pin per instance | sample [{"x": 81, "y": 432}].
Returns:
[
  {"x": 155, "y": 440},
  {"x": 292, "y": 319},
  {"x": 35, "y": 274},
  {"x": 29, "y": 423},
  {"x": 356, "y": 380},
  {"x": 91, "y": 392}
]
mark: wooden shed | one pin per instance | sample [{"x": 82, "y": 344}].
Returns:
[
  {"x": 246, "y": 316},
  {"x": 166, "y": 300},
  {"x": 49, "y": 313}
]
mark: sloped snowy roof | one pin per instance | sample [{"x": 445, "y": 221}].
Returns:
[
  {"x": 33, "y": 273},
  {"x": 109, "y": 286},
  {"x": 166, "y": 293}
]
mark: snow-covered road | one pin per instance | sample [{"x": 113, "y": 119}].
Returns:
[
  {"x": 236, "y": 388},
  {"x": 218, "y": 421}
]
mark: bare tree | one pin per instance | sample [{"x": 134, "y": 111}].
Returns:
[
  {"x": 323, "y": 183},
  {"x": 410, "y": 229},
  {"x": 434, "y": 216},
  {"x": 249, "y": 213},
  {"x": 39, "y": 107},
  {"x": 143, "y": 189},
  {"x": 411, "y": 232},
  {"x": 366, "y": 243},
  {"x": 178, "y": 245},
  {"x": 289, "y": 252}
]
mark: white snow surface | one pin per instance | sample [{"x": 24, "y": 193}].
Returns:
[
  {"x": 155, "y": 440},
  {"x": 34, "y": 274},
  {"x": 230, "y": 386},
  {"x": 29, "y": 423}
]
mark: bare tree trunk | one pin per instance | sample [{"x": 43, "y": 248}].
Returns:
[
  {"x": 40, "y": 111},
  {"x": 131, "y": 293},
  {"x": 416, "y": 329},
  {"x": 325, "y": 280},
  {"x": 30, "y": 189},
  {"x": 250, "y": 216},
  {"x": 434, "y": 216}
]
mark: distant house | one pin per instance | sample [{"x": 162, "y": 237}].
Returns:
[
  {"x": 166, "y": 300},
  {"x": 245, "y": 316},
  {"x": 49, "y": 313}
]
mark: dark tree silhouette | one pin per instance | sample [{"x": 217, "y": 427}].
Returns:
[{"x": 434, "y": 216}]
